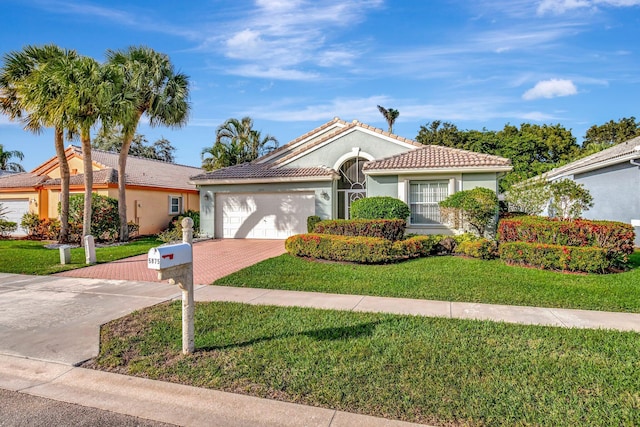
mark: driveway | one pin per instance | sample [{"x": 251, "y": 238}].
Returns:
[
  {"x": 212, "y": 259},
  {"x": 58, "y": 318}
]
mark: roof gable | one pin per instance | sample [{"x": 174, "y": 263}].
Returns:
[{"x": 327, "y": 134}]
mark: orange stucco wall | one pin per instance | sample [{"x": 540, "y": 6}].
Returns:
[{"x": 75, "y": 164}]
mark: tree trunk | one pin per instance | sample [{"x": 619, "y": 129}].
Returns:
[
  {"x": 64, "y": 186},
  {"x": 122, "y": 180},
  {"x": 88, "y": 182}
]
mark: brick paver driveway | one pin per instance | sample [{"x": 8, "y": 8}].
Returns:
[{"x": 212, "y": 259}]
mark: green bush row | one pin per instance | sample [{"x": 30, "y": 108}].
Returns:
[
  {"x": 390, "y": 229},
  {"x": 365, "y": 250},
  {"x": 481, "y": 248},
  {"x": 588, "y": 259},
  {"x": 613, "y": 236}
]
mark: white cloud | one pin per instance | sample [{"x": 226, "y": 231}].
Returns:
[
  {"x": 559, "y": 7},
  {"x": 550, "y": 89}
]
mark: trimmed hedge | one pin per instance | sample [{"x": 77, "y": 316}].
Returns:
[
  {"x": 368, "y": 250},
  {"x": 557, "y": 257},
  {"x": 390, "y": 229},
  {"x": 481, "y": 248},
  {"x": 379, "y": 207},
  {"x": 311, "y": 222},
  {"x": 610, "y": 235}
]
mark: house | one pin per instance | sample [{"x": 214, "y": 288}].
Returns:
[
  {"x": 612, "y": 177},
  {"x": 323, "y": 171},
  {"x": 156, "y": 191}
]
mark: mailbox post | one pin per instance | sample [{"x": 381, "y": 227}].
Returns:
[{"x": 175, "y": 263}]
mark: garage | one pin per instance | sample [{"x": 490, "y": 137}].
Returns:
[
  {"x": 262, "y": 215},
  {"x": 14, "y": 209}
]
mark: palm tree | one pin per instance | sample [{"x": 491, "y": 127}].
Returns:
[
  {"x": 6, "y": 164},
  {"x": 87, "y": 95},
  {"x": 390, "y": 115},
  {"x": 237, "y": 142},
  {"x": 27, "y": 92},
  {"x": 148, "y": 85}
]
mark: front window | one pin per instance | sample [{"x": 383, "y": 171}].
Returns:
[
  {"x": 423, "y": 201},
  {"x": 175, "y": 205}
]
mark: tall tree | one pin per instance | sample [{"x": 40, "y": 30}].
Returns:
[
  {"x": 598, "y": 138},
  {"x": 390, "y": 115},
  {"x": 28, "y": 90},
  {"x": 149, "y": 85},
  {"x": 87, "y": 96},
  {"x": 112, "y": 139},
  {"x": 441, "y": 133},
  {"x": 5, "y": 160},
  {"x": 237, "y": 142}
]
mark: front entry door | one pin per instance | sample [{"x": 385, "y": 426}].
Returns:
[
  {"x": 351, "y": 186},
  {"x": 350, "y": 196}
]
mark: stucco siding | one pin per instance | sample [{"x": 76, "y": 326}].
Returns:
[
  {"x": 329, "y": 154},
  {"x": 382, "y": 186},
  {"x": 616, "y": 193},
  {"x": 473, "y": 180},
  {"x": 323, "y": 191}
]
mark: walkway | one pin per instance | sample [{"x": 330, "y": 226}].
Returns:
[{"x": 213, "y": 259}]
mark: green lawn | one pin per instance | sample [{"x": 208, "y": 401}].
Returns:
[
  {"x": 450, "y": 279},
  {"x": 430, "y": 370},
  {"x": 31, "y": 257}
]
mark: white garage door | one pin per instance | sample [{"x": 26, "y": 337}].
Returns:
[
  {"x": 14, "y": 209},
  {"x": 263, "y": 215}
]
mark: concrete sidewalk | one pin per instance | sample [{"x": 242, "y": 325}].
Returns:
[{"x": 560, "y": 317}]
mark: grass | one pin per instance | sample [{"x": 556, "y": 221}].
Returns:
[
  {"x": 450, "y": 279},
  {"x": 429, "y": 370},
  {"x": 31, "y": 257}
]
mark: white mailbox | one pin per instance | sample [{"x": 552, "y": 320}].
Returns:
[{"x": 164, "y": 257}]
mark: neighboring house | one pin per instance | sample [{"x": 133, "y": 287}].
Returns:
[
  {"x": 612, "y": 176},
  {"x": 324, "y": 171},
  {"x": 156, "y": 190}
]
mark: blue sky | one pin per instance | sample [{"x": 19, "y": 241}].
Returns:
[{"x": 293, "y": 65}]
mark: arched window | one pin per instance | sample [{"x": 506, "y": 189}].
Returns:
[{"x": 351, "y": 186}]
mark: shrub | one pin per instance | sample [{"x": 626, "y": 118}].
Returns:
[
  {"x": 105, "y": 221},
  {"x": 7, "y": 227},
  {"x": 557, "y": 257},
  {"x": 366, "y": 250},
  {"x": 477, "y": 207},
  {"x": 390, "y": 229},
  {"x": 48, "y": 229},
  {"x": 177, "y": 220},
  {"x": 173, "y": 232},
  {"x": 569, "y": 199},
  {"x": 614, "y": 236},
  {"x": 379, "y": 207},
  {"x": 30, "y": 223},
  {"x": 416, "y": 246},
  {"x": 133, "y": 228},
  {"x": 530, "y": 196},
  {"x": 311, "y": 223},
  {"x": 481, "y": 248}
]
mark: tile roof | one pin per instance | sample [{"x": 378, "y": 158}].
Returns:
[
  {"x": 437, "y": 157},
  {"x": 345, "y": 126},
  {"x": 620, "y": 151},
  {"x": 254, "y": 171},
  {"x": 104, "y": 176},
  {"x": 144, "y": 172},
  {"x": 21, "y": 180}
]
